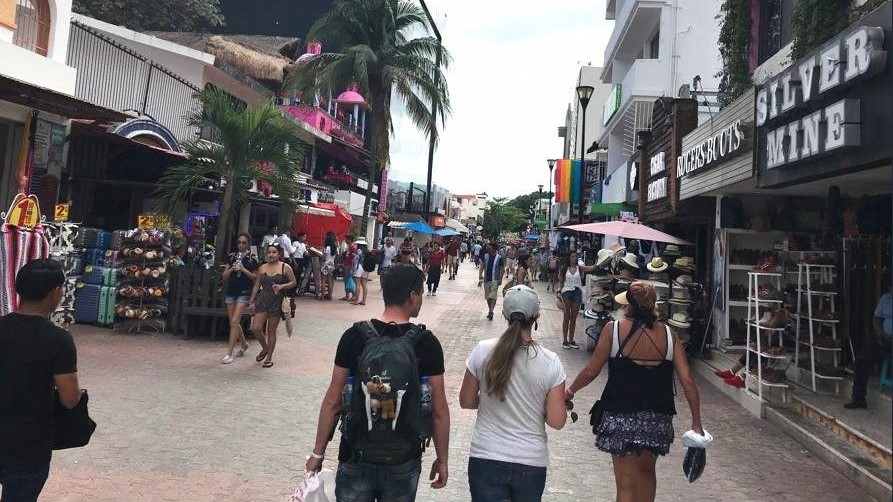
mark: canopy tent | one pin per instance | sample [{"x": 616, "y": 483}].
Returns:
[
  {"x": 420, "y": 227},
  {"x": 317, "y": 219},
  {"x": 445, "y": 232},
  {"x": 627, "y": 230},
  {"x": 455, "y": 225}
]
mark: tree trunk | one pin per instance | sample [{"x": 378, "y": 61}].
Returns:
[
  {"x": 367, "y": 204},
  {"x": 224, "y": 221},
  {"x": 376, "y": 124}
]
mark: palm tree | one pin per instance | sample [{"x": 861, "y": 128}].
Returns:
[
  {"x": 377, "y": 50},
  {"x": 251, "y": 143}
]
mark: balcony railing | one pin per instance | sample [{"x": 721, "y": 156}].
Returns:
[
  {"x": 321, "y": 119},
  {"x": 32, "y": 26}
]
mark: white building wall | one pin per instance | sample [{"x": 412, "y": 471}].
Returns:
[{"x": 49, "y": 72}]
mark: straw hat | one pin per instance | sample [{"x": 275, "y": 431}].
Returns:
[
  {"x": 657, "y": 265},
  {"x": 604, "y": 257},
  {"x": 672, "y": 250},
  {"x": 625, "y": 275},
  {"x": 684, "y": 263},
  {"x": 597, "y": 291},
  {"x": 679, "y": 320},
  {"x": 683, "y": 280},
  {"x": 679, "y": 295},
  {"x": 642, "y": 292},
  {"x": 629, "y": 260}
]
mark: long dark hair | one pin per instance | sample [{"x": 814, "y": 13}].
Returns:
[
  {"x": 566, "y": 263},
  {"x": 332, "y": 242},
  {"x": 501, "y": 362}
]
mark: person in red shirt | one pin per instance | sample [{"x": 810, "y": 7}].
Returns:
[
  {"x": 433, "y": 268},
  {"x": 452, "y": 250}
]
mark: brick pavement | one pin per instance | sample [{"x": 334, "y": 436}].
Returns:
[{"x": 176, "y": 425}]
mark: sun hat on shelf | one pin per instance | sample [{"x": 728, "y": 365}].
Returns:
[
  {"x": 672, "y": 250},
  {"x": 642, "y": 294},
  {"x": 657, "y": 265},
  {"x": 629, "y": 260},
  {"x": 604, "y": 257},
  {"x": 685, "y": 263},
  {"x": 679, "y": 320},
  {"x": 683, "y": 280}
]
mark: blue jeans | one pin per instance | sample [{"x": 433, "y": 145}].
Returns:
[
  {"x": 496, "y": 481},
  {"x": 359, "y": 482},
  {"x": 23, "y": 480}
]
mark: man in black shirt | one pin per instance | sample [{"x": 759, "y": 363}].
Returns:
[
  {"x": 402, "y": 287},
  {"x": 36, "y": 357}
]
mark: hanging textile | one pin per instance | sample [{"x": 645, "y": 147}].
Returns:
[
  {"x": 18, "y": 246},
  {"x": 575, "y": 181},
  {"x": 566, "y": 180}
]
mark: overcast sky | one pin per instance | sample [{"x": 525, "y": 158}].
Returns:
[{"x": 513, "y": 75}]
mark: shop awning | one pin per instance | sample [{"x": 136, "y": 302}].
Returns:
[
  {"x": 316, "y": 211},
  {"x": 628, "y": 230},
  {"x": 445, "y": 232},
  {"x": 419, "y": 226},
  {"x": 43, "y": 99},
  {"x": 609, "y": 208},
  {"x": 455, "y": 225}
]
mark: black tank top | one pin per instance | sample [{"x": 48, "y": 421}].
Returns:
[{"x": 635, "y": 387}]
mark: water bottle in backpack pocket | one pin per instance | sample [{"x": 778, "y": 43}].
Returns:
[{"x": 386, "y": 424}]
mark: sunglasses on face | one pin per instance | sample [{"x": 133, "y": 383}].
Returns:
[{"x": 243, "y": 242}]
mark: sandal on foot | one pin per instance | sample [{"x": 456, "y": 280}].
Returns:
[
  {"x": 268, "y": 364},
  {"x": 260, "y": 357}
]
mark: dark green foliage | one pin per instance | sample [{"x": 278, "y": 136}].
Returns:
[
  {"x": 158, "y": 15},
  {"x": 734, "y": 49},
  {"x": 816, "y": 21}
]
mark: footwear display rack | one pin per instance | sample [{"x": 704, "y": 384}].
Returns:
[
  {"x": 770, "y": 364},
  {"x": 62, "y": 248},
  {"x": 817, "y": 319},
  {"x": 143, "y": 284},
  {"x": 746, "y": 250}
]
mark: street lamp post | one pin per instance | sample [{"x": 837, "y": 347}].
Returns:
[
  {"x": 584, "y": 93},
  {"x": 539, "y": 204},
  {"x": 551, "y": 194},
  {"x": 431, "y": 142}
]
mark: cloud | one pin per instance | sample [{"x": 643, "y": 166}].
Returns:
[{"x": 513, "y": 75}]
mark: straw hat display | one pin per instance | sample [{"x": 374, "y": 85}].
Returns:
[
  {"x": 680, "y": 295},
  {"x": 683, "y": 280},
  {"x": 604, "y": 257},
  {"x": 680, "y": 320},
  {"x": 598, "y": 291},
  {"x": 657, "y": 265},
  {"x": 626, "y": 275},
  {"x": 599, "y": 279},
  {"x": 629, "y": 260},
  {"x": 672, "y": 250},
  {"x": 685, "y": 263}
]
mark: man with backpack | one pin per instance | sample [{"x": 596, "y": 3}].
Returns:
[{"x": 387, "y": 386}]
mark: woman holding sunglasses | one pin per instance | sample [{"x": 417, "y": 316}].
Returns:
[
  {"x": 517, "y": 386},
  {"x": 271, "y": 282},
  {"x": 238, "y": 275}
]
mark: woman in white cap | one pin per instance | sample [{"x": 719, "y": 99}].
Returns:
[{"x": 518, "y": 387}]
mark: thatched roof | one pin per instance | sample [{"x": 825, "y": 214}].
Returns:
[{"x": 257, "y": 56}]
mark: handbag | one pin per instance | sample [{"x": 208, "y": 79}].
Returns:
[
  {"x": 286, "y": 305},
  {"x": 596, "y": 414},
  {"x": 316, "y": 487},
  {"x": 560, "y": 303},
  {"x": 73, "y": 427}
]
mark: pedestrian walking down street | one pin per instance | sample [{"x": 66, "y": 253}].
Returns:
[
  {"x": 637, "y": 403},
  {"x": 490, "y": 276},
  {"x": 518, "y": 387},
  {"x": 389, "y": 253},
  {"x": 364, "y": 263},
  {"x": 288, "y": 249},
  {"x": 571, "y": 292},
  {"x": 239, "y": 274},
  {"x": 327, "y": 269},
  {"x": 476, "y": 250},
  {"x": 37, "y": 360},
  {"x": 452, "y": 252},
  {"x": 398, "y": 365},
  {"x": 463, "y": 251},
  {"x": 347, "y": 268},
  {"x": 874, "y": 349},
  {"x": 552, "y": 271},
  {"x": 273, "y": 279},
  {"x": 433, "y": 269},
  {"x": 270, "y": 237}
]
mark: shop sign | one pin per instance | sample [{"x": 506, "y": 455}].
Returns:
[
  {"x": 438, "y": 221},
  {"x": 838, "y": 64},
  {"x": 60, "y": 212},
  {"x": 24, "y": 212},
  {"x": 658, "y": 164},
  {"x": 657, "y": 189},
  {"x": 612, "y": 104},
  {"x": 153, "y": 221},
  {"x": 629, "y": 216},
  {"x": 713, "y": 150}
]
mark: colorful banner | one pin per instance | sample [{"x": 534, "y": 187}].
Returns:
[{"x": 575, "y": 181}]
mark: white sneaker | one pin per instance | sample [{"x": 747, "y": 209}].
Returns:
[
  {"x": 227, "y": 360},
  {"x": 434, "y": 294}
]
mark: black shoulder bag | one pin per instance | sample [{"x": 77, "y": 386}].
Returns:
[{"x": 73, "y": 427}]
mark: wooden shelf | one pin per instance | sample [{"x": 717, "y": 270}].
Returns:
[{"x": 769, "y": 356}]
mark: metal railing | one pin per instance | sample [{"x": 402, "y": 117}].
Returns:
[{"x": 114, "y": 76}]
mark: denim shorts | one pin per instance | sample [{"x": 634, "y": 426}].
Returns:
[
  {"x": 229, "y": 300},
  {"x": 575, "y": 295},
  {"x": 494, "y": 480},
  {"x": 360, "y": 482}
]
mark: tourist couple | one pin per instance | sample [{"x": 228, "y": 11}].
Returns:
[{"x": 517, "y": 386}]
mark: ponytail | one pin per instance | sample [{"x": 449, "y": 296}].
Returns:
[{"x": 498, "y": 368}]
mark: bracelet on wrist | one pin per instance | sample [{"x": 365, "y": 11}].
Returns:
[{"x": 316, "y": 456}]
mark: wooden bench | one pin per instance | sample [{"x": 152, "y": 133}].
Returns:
[{"x": 200, "y": 299}]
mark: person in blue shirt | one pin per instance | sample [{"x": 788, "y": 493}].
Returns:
[
  {"x": 490, "y": 276},
  {"x": 874, "y": 349}
]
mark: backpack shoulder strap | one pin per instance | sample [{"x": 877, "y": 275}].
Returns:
[
  {"x": 415, "y": 334},
  {"x": 367, "y": 329}
]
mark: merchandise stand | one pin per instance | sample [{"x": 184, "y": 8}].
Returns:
[
  {"x": 143, "y": 285},
  {"x": 817, "y": 322},
  {"x": 754, "y": 335}
]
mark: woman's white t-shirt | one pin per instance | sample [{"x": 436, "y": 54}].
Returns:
[
  {"x": 514, "y": 430},
  {"x": 572, "y": 281}
]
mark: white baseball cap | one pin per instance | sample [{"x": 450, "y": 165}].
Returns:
[{"x": 521, "y": 299}]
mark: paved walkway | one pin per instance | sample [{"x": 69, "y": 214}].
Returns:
[{"x": 176, "y": 425}]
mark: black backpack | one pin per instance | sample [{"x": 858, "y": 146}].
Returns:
[{"x": 386, "y": 424}]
